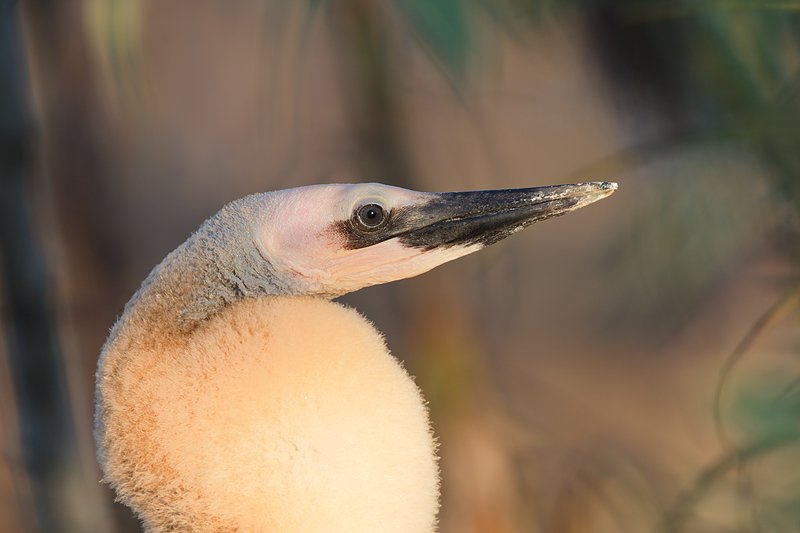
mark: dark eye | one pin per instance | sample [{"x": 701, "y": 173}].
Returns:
[{"x": 370, "y": 216}]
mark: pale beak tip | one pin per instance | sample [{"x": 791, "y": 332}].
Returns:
[
  {"x": 603, "y": 189},
  {"x": 608, "y": 186},
  {"x": 594, "y": 191}
]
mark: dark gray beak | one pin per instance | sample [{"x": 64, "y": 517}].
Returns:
[{"x": 486, "y": 217}]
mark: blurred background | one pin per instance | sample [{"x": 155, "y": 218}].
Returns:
[{"x": 631, "y": 367}]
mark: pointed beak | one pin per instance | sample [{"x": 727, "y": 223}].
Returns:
[{"x": 486, "y": 217}]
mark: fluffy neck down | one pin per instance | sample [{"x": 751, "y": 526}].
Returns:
[
  {"x": 216, "y": 266},
  {"x": 282, "y": 414}
]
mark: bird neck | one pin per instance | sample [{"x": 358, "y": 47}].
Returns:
[{"x": 217, "y": 266}]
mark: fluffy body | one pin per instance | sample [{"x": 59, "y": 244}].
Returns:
[{"x": 274, "y": 401}]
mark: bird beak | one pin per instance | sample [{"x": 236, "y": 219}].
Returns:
[{"x": 486, "y": 217}]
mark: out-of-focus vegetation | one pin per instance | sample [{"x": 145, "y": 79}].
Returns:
[{"x": 633, "y": 367}]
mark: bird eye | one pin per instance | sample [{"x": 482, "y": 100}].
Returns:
[{"x": 370, "y": 216}]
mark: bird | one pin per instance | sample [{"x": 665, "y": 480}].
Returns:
[{"x": 234, "y": 394}]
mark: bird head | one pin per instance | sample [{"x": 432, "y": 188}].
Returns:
[{"x": 335, "y": 239}]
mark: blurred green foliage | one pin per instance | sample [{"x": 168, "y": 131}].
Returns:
[
  {"x": 726, "y": 70},
  {"x": 444, "y": 27},
  {"x": 757, "y": 473},
  {"x": 716, "y": 75},
  {"x": 686, "y": 233},
  {"x": 767, "y": 412}
]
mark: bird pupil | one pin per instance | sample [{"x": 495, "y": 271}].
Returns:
[{"x": 371, "y": 215}]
